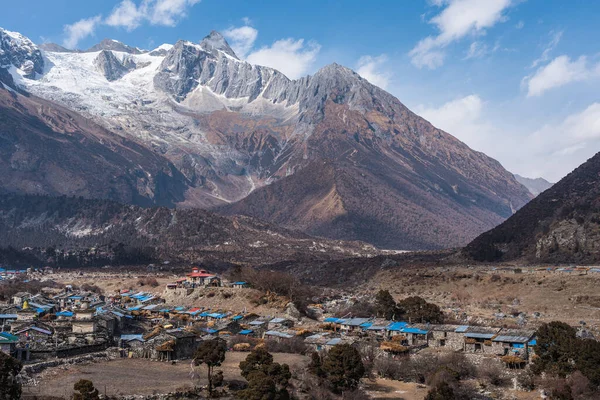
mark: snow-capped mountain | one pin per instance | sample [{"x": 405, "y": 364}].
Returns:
[{"x": 310, "y": 153}]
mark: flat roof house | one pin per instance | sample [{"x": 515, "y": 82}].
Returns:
[
  {"x": 478, "y": 339},
  {"x": 514, "y": 342}
]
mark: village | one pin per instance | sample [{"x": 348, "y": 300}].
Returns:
[
  {"x": 167, "y": 322},
  {"x": 143, "y": 325}
]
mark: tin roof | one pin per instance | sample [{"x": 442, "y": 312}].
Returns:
[
  {"x": 475, "y": 335},
  {"x": 396, "y": 326},
  {"x": 279, "y": 334},
  {"x": 128, "y": 338}
]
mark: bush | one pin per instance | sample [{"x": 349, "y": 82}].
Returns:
[
  {"x": 344, "y": 368},
  {"x": 491, "y": 372}
]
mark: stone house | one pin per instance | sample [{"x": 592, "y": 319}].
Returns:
[
  {"x": 417, "y": 334},
  {"x": 514, "y": 342},
  {"x": 446, "y": 336},
  {"x": 478, "y": 339}
]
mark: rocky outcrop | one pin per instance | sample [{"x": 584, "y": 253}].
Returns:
[
  {"x": 111, "y": 67},
  {"x": 213, "y": 64}
]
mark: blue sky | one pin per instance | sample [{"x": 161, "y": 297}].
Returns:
[{"x": 516, "y": 79}]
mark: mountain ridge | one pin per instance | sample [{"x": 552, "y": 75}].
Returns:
[{"x": 232, "y": 129}]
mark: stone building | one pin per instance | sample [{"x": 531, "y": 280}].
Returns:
[{"x": 478, "y": 339}]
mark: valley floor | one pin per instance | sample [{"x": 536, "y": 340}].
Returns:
[{"x": 139, "y": 376}]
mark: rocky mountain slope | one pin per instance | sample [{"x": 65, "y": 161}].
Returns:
[
  {"x": 75, "y": 224},
  {"x": 560, "y": 225},
  {"x": 47, "y": 149},
  {"x": 534, "y": 185},
  {"x": 246, "y": 137}
]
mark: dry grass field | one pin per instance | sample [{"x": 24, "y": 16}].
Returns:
[
  {"x": 141, "y": 377},
  {"x": 481, "y": 292}
]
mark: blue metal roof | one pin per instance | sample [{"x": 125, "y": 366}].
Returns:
[
  {"x": 334, "y": 320},
  {"x": 462, "y": 329},
  {"x": 333, "y": 342},
  {"x": 532, "y": 342},
  {"x": 246, "y": 331},
  {"x": 240, "y": 283},
  {"x": 396, "y": 326},
  {"x": 8, "y": 316},
  {"x": 237, "y": 317},
  {"x": 64, "y": 314},
  {"x": 127, "y": 338},
  {"x": 7, "y": 337},
  {"x": 414, "y": 330},
  {"x": 366, "y": 325}
]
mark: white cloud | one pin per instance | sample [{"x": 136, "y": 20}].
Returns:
[
  {"x": 558, "y": 148},
  {"x": 168, "y": 12},
  {"x": 241, "y": 39},
  {"x": 520, "y": 25},
  {"x": 370, "y": 68},
  {"x": 550, "y": 151},
  {"x": 292, "y": 57},
  {"x": 79, "y": 30},
  {"x": 156, "y": 12},
  {"x": 458, "y": 19},
  {"x": 555, "y": 39},
  {"x": 559, "y": 72},
  {"x": 126, "y": 15},
  {"x": 461, "y": 117},
  {"x": 477, "y": 50}
]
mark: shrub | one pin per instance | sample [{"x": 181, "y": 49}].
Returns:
[
  {"x": 344, "y": 367},
  {"x": 491, "y": 372}
]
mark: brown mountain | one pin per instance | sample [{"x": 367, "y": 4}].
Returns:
[
  {"x": 374, "y": 171},
  {"x": 562, "y": 224}
]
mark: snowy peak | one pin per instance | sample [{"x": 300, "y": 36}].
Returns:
[
  {"x": 114, "y": 45},
  {"x": 216, "y": 41},
  {"x": 161, "y": 50},
  {"x": 18, "y": 51}
]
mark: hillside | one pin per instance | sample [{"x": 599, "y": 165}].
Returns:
[
  {"x": 560, "y": 225},
  {"x": 92, "y": 227}
]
